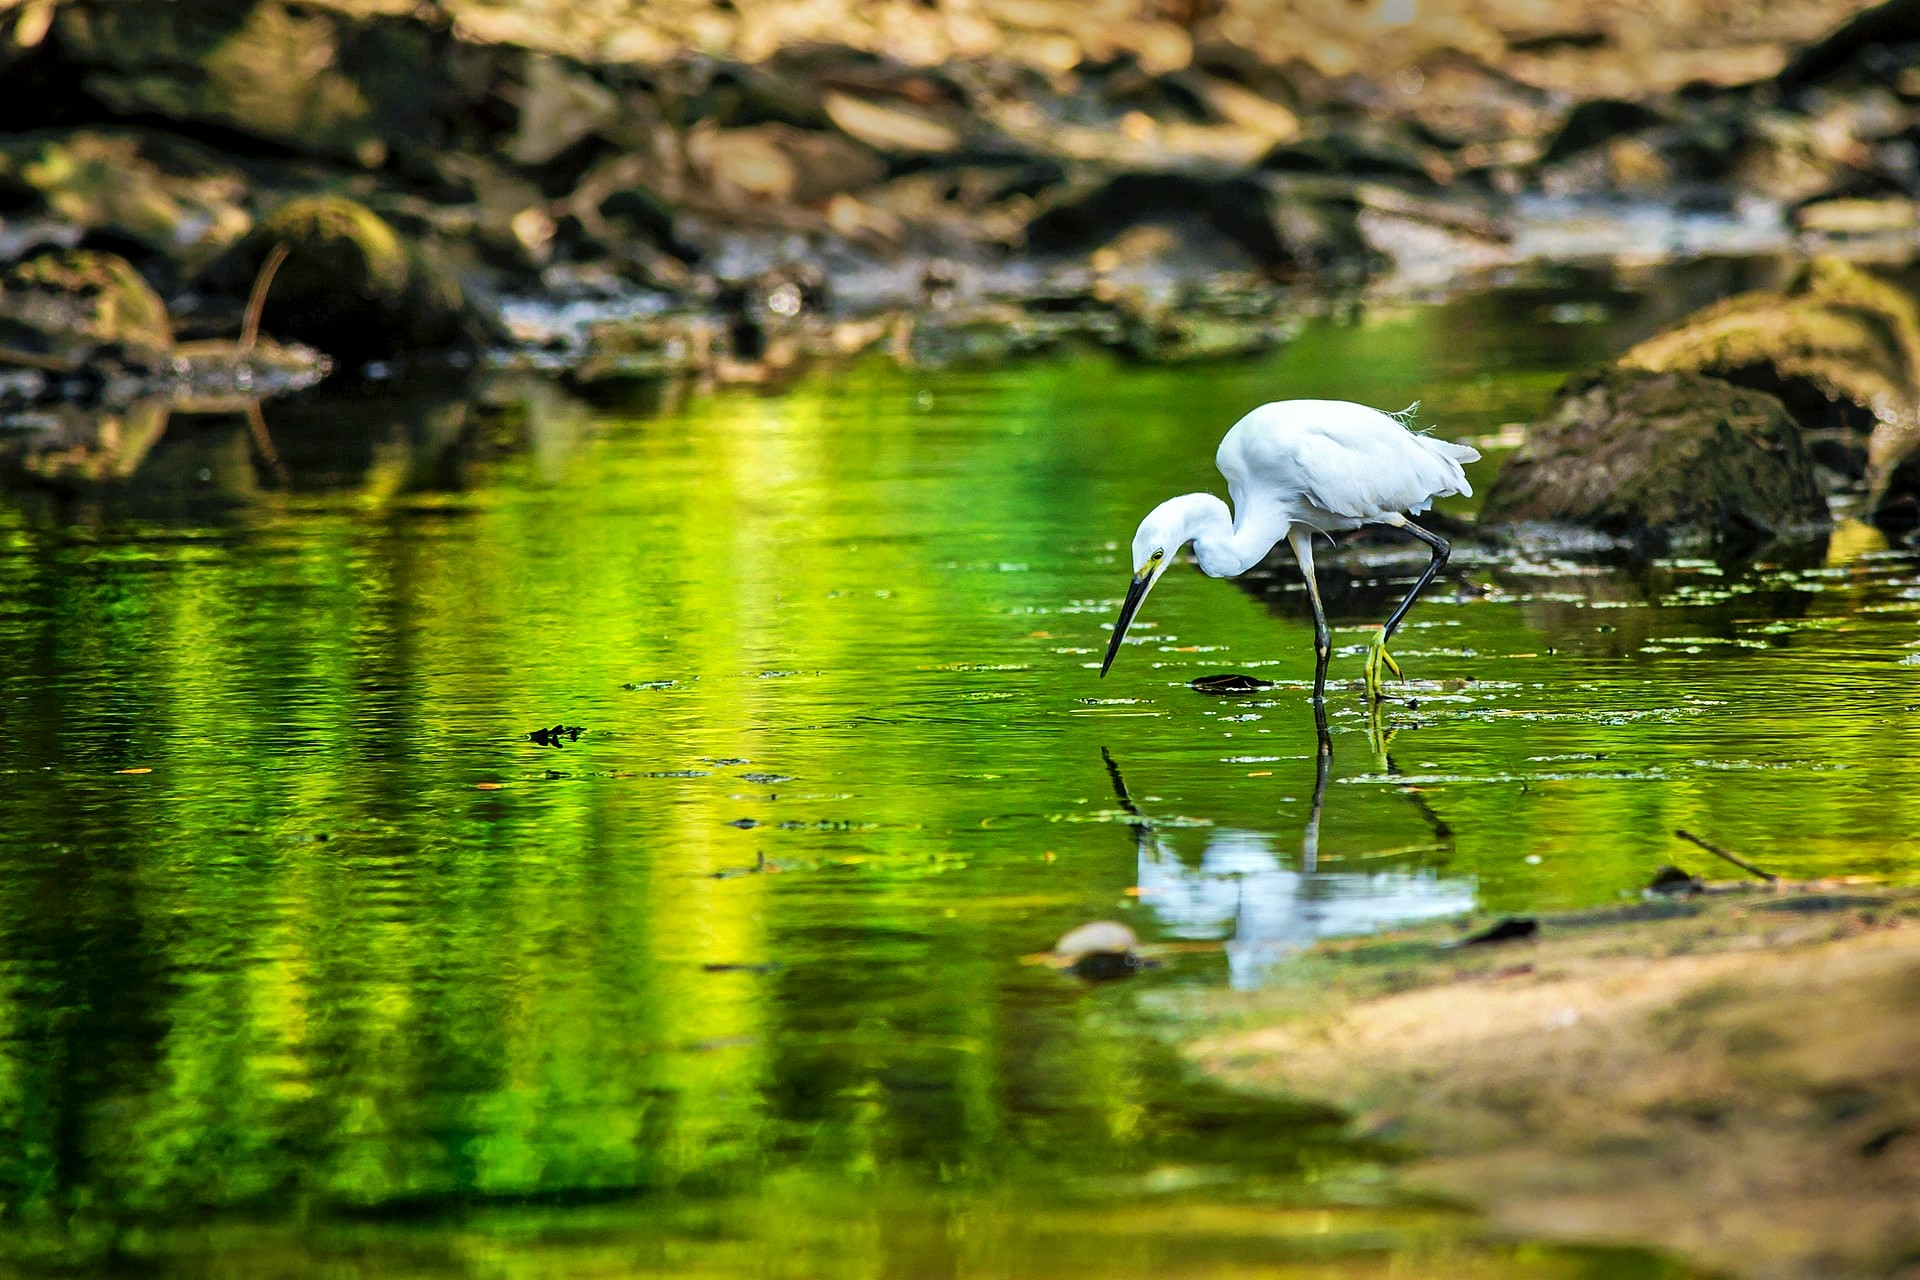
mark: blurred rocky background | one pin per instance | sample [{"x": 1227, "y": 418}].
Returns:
[{"x": 617, "y": 190}]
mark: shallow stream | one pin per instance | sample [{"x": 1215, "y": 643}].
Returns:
[{"x": 313, "y": 962}]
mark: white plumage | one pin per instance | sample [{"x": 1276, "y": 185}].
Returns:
[
  {"x": 1295, "y": 468},
  {"x": 1334, "y": 465}
]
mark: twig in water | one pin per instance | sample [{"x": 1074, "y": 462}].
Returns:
[
  {"x": 1734, "y": 858},
  {"x": 257, "y": 300},
  {"x": 257, "y": 428}
]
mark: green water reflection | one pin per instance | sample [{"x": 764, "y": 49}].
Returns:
[{"x": 312, "y": 963}]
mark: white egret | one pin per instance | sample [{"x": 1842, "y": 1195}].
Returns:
[{"x": 1295, "y": 468}]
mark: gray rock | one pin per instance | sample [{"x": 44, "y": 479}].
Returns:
[
  {"x": 1652, "y": 459},
  {"x": 1839, "y": 345}
]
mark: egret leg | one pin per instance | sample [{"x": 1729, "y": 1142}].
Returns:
[
  {"x": 1301, "y": 542},
  {"x": 1377, "y": 655},
  {"x": 1322, "y": 766}
]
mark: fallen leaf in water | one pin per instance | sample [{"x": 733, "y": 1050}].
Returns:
[
  {"x": 1671, "y": 879},
  {"x": 1230, "y": 683},
  {"x": 487, "y": 786},
  {"x": 139, "y": 769},
  {"x": 1511, "y": 929}
]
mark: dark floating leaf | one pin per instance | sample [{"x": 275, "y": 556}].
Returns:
[
  {"x": 765, "y": 777},
  {"x": 772, "y": 966},
  {"x": 559, "y": 733},
  {"x": 675, "y": 773},
  {"x": 1671, "y": 879},
  {"x": 1511, "y": 929},
  {"x": 1231, "y": 682},
  {"x": 725, "y": 762},
  {"x": 636, "y": 686},
  {"x": 745, "y": 824}
]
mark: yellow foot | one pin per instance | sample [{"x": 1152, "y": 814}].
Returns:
[{"x": 1378, "y": 659}]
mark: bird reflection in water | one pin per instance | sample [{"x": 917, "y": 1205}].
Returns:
[{"x": 1263, "y": 903}]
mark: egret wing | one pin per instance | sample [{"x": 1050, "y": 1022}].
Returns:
[{"x": 1345, "y": 460}]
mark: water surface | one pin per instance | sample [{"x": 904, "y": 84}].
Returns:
[{"x": 312, "y": 962}]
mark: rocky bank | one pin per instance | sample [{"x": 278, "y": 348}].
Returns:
[{"x": 721, "y": 184}]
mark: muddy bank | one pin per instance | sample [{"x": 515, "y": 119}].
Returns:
[{"x": 1726, "y": 1075}]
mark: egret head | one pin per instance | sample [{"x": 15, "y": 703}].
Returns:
[{"x": 1167, "y": 528}]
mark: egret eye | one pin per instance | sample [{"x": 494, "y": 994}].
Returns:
[{"x": 1156, "y": 557}]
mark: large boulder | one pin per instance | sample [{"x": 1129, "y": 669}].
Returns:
[
  {"x": 63, "y": 311},
  {"x": 1653, "y": 459},
  {"x": 1840, "y": 346},
  {"x": 351, "y": 285}
]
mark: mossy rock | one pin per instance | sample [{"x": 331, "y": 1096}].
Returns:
[
  {"x": 1840, "y": 346},
  {"x": 60, "y": 311},
  {"x": 1655, "y": 459},
  {"x": 351, "y": 285}
]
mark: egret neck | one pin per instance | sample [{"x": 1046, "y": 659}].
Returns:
[
  {"x": 1224, "y": 548},
  {"x": 1227, "y": 547}
]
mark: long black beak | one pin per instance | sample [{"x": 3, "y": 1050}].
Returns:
[{"x": 1135, "y": 594}]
